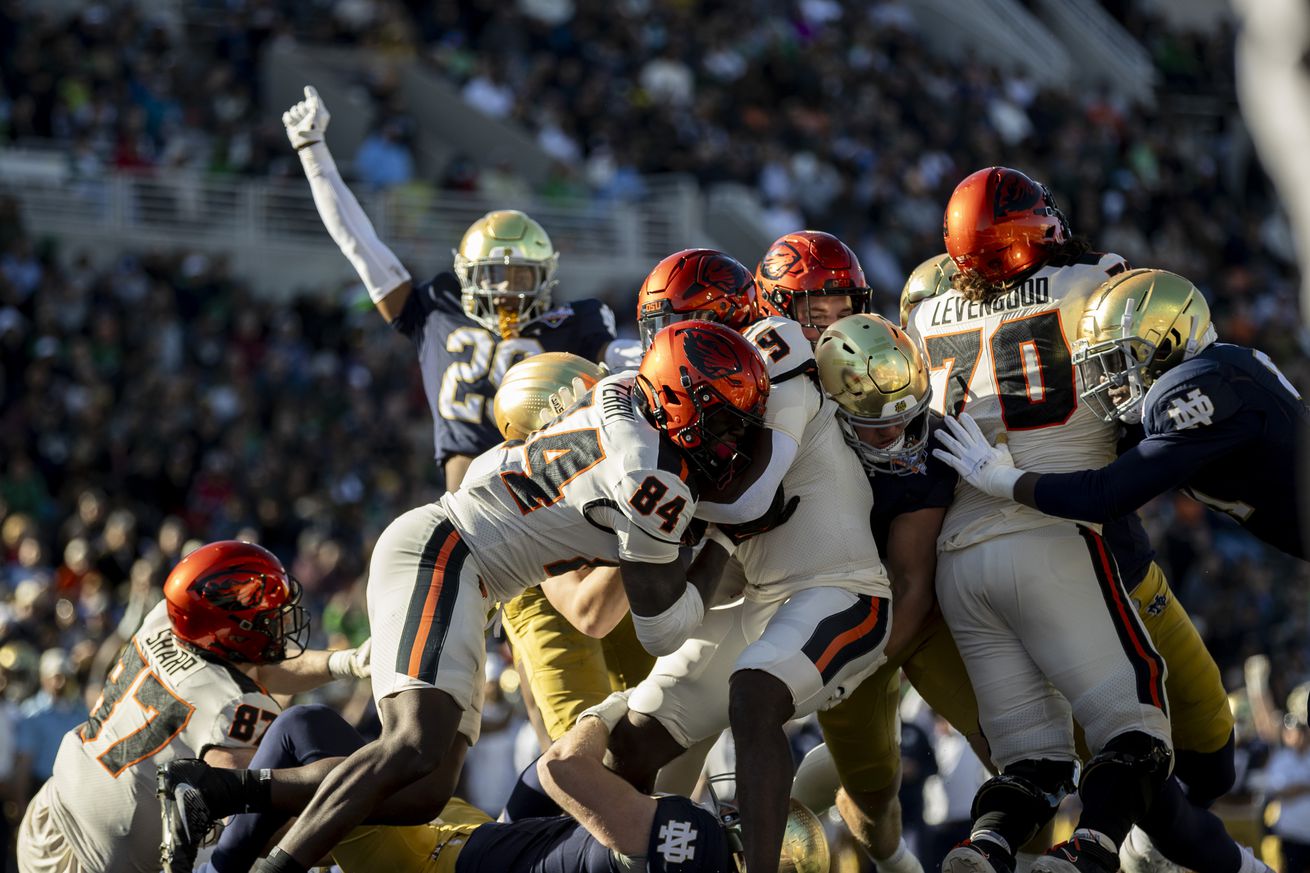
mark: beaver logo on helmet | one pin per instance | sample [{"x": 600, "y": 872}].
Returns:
[
  {"x": 233, "y": 588},
  {"x": 710, "y": 353},
  {"x": 725, "y": 274},
  {"x": 779, "y": 261},
  {"x": 1014, "y": 193}
]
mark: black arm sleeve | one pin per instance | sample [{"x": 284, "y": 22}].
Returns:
[{"x": 1155, "y": 465}]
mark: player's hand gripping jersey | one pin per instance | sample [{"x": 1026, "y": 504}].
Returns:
[
  {"x": 462, "y": 361},
  {"x": 160, "y": 702},
  {"x": 1008, "y": 363}
]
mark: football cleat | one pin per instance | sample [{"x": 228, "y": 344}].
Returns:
[
  {"x": 1087, "y": 851},
  {"x": 185, "y": 814},
  {"x": 1139, "y": 855},
  {"x": 978, "y": 856}
]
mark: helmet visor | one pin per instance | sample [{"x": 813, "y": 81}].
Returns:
[{"x": 650, "y": 325}]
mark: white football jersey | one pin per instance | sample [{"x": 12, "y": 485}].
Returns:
[
  {"x": 160, "y": 702},
  {"x": 597, "y": 485},
  {"x": 815, "y": 547},
  {"x": 1008, "y": 363}
]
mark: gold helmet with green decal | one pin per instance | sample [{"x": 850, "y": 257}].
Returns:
[
  {"x": 1136, "y": 327},
  {"x": 929, "y": 279},
  {"x": 877, "y": 375},
  {"x": 526, "y": 399},
  {"x": 506, "y": 269}
]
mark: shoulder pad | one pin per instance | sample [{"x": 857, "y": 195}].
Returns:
[
  {"x": 1196, "y": 393},
  {"x": 782, "y": 344}
]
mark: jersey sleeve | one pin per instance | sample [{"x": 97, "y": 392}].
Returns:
[
  {"x": 1193, "y": 396},
  {"x": 423, "y": 300},
  {"x": 656, "y": 507},
  {"x": 623, "y": 354},
  {"x": 782, "y": 344},
  {"x": 242, "y": 721}
]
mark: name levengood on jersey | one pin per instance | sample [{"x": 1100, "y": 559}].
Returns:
[
  {"x": 462, "y": 362},
  {"x": 160, "y": 702},
  {"x": 597, "y": 485},
  {"x": 1231, "y": 419},
  {"x": 1008, "y": 363}
]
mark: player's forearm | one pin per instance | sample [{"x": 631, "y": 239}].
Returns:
[
  {"x": 350, "y": 228},
  {"x": 911, "y": 606},
  {"x": 593, "y": 602},
  {"x": 303, "y": 673},
  {"x": 455, "y": 468}
]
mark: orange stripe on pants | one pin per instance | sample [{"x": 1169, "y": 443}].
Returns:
[
  {"x": 430, "y": 604},
  {"x": 847, "y": 637}
]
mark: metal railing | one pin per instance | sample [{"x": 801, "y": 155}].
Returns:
[{"x": 261, "y": 221}]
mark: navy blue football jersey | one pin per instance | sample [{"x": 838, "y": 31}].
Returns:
[
  {"x": 462, "y": 362},
  {"x": 932, "y": 486},
  {"x": 1222, "y": 426},
  {"x": 684, "y": 838}
]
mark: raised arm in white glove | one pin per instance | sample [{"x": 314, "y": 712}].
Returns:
[
  {"x": 378, "y": 267},
  {"x": 965, "y": 449}
]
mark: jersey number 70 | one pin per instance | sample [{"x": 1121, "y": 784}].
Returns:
[{"x": 1032, "y": 370}]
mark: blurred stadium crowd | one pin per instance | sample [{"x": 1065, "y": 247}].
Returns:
[{"x": 157, "y": 403}]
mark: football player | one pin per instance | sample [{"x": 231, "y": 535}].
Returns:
[
  {"x": 609, "y": 827},
  {"x": 1032, "y": 242},
  {"x": 195, "y": 679},
  {"x": 816, "y": 611},
  {"x": 469, "y": 328},
  {"x": 812, "y": 278},
  {"x": 878, "y": 377},
  {"x": 1147, "y": 354},
  {"x": 612, "y": 481},
  {"x": 1036, "y": 606}
]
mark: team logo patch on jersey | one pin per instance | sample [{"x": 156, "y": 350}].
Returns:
[
  {"x": 556, "y": 316},
  {"x": 677, "y": 842},
  {"x": 779, "y": 261},
  {"x": 710, "y": 353},
  {"x": 1196, "y": 409}
]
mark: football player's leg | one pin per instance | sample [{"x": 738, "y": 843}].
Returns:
[
  {"x": 1086, "y": 637},
  {"x": 936, "y": 670},
  {"x": 862, "y": 740},
  {"x": 815, "y": 649},
  {"x": 427, "y": 609},
  {"x": 1028, "y": 724},
  {"x": 300, "y": 735},
  {"x": 626, "y": 659},
  {"x": 1199, "y": 714},
  {"x": 563, "y": 668},
  {"x": 683, "y": 701}
]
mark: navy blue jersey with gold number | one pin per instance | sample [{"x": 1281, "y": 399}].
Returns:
[
  {"x": 463, "y": 362},
  {"x": 1222, "y": 426}
]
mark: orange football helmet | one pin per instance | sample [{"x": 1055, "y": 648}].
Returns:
[
  {"x": 705, "y": 386},
  {"x": 809, "y": 263},
  {"x": 237, "y": 601},
  {"x": 999, "y": 223},
  {"x": 696, "y": 284}
]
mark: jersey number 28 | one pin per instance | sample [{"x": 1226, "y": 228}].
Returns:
[{"x": 459, "y": 399}]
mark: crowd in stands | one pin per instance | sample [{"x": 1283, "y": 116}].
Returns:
[{"x": 156, "y": 403}]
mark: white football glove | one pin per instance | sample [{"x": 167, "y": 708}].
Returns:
[
  {"x": 562, "y": 400},
  {"x": 988, "y": 468},
  {"x": 610, "y": 711},
  {"x": 307, "y": 121},
  {"x": 352, "y": 663}
]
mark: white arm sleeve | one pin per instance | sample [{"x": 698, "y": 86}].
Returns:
[
  {"x": 662, "y": 634},
  {"x": 758, "y": 498},
  {"x": 378, "y": 267}
]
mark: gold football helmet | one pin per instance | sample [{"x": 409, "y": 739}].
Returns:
[
  {"x": 525, "y": 400},
  {"x": 804, "y": 846},
  {"x": 506, "y": 269},
  {"x": 929, "y": 279},
  {"x": 1137, "y": 326},
  {"x": 878, "y": 377}
]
